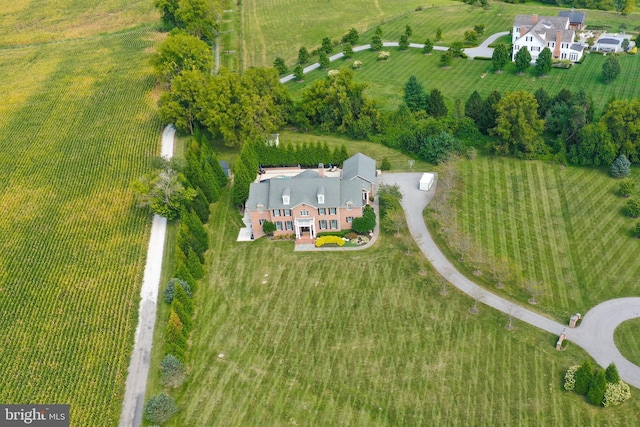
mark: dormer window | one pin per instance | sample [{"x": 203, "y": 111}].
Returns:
[
  {"x": 286, "y": 196},
  {"x": 260, "y": 207},
  {"x": 320, "y": 196}
]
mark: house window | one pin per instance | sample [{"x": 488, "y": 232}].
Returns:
[
  {"x": 322, "y": 211},
  {"x": 333, "y": 225},
  {"x": 349, "y": 205},
  {"x": 279, "y": 225},
  {"x": 261, "y": 221},
  {"x": 332, "y": 211},
  {"x": 517, "y": 30},
  {"x": 349, "y": 219},
  {"x": 304, "y": 212},
  {"x": 288, "y": 225},
  {"x": 276, "y": 212},
  {"x": 286, "y": 200},
  {"x": 574, "y": 56},
  {"x": 564, "y": 56},
  {"x": 322, "y": 224},
  {"x": 321, "y": 199},
  {"x": 287, "y": 212}
]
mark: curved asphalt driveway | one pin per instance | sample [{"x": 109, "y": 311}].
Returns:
[{"x": 595, "y": 333}]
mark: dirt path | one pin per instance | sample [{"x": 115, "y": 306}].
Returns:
[
  {"x": 595, "y": 334},
  {"x": 136, "y": 386}
]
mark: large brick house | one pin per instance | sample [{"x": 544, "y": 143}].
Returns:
[
  {"x": 311, "y": 202},
  {"x": 537, "y": 32}
]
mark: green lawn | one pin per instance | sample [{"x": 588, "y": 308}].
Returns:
[
  {"x": 78, "y": 124},
  {"x": 361, "y": 338},
  {"x": 627, "y": 338},
  {"x": 561, "y": 226},
  {"x": 386, "y": 79}
]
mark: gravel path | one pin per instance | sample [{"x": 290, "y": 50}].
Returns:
[
  {"x": 595, "y": 333},
  {"x": 136, "y": 386}
]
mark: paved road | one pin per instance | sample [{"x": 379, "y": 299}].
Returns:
[
  {"x": 136, "y": 386},
  {"x": 595, "y": 334},
  {"x": 482, "y": 50}
]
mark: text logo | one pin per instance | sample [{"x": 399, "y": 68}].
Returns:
[{"x": 34, "y": 415}]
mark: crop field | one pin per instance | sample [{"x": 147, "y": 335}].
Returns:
[
  {"x": 25, "y": 21},
  {"x": 78, "y": 124},
  {"x": 563, "y": 227},
  {"x": 362, "y": 338},
  {"x": 280, "y": 27},
  {"x": 386, "y": 79},
  {"x": 627, "y": 340}
]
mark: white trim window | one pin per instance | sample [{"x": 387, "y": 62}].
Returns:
[
  {"x": 349, "y": 219},
  {"x": 261, "y": 221},
  {"x": 275, "y": 212},
  {"x": 333, "y": 224},
  {"x": 332, "y": 211},
  {"x": 288, "y": 225},
  {"x": 304, "y": 212},
  {"x": 322, "y": 224},
  {"x": 279, "y": 225},
  {"x": 322, "y": 211},
  {"x": 287, "y": 212}
]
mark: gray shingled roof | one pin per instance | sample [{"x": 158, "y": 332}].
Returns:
[
  {"x": 609, "y": 41},
  {"x": 304, "y": 188},
  {"x": 359, "y": 166},
  {"x": 574, "y": 17}
]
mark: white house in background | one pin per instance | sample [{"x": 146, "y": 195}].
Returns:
[{"x": 537, "y": 32}]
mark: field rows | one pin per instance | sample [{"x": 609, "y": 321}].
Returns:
[
  {"x": 562, "y": 227},
  {"x": 361, "y": 340},
  {"x": 74, "y": 137}
]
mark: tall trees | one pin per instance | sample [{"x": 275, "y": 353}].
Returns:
[
  {"x": 610, "y": 69},
  {"x": 180, "y": 104},
  {"x": 303, "y": 55},
  {"x": 165, "y": 191},
  {"x": 518, "y": 125},
  {"x": 428, "y": 47},
  {"x": 543, "y": 63},
  {"x": 338, "y": 103},
  {"x": 247, "y": 107},
  {"x": 178, "y": 52},
  {"x": 473, "y": 107},
  {"x": 435, "y": 104},
  {"x": 198, "y": 18},
  {"x": 523, "y": 59},
  {"x": 500, "y": 57},
  {"x": 280, "y": 65},
  {"x": 414, "y": 95},
  {"x": 489, "y": 113},
  {"x": 403, "y": 44}
]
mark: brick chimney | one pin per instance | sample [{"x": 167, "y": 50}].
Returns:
[
  {"x": 556, "y": 51},
  {"x": 534, "y": 18},
  {"x": 523, "y": 31}
]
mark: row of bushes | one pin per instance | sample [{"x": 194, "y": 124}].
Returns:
[
  {"x": 602, "y": 388},
  {"x": 203, "y": 172}
]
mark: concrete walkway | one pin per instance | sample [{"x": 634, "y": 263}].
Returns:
[
  {"x": 595, "y": 333},
  {"x": 482, "y": 50},
  {"x": 136, "y": 386}
]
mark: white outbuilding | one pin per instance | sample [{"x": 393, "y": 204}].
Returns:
[{"x": 427, "y": 181}]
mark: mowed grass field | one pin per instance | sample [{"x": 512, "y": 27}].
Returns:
[
  {"x": 77, "y": 125},
  {"x": 564, "y": 227},
  {"x": 628, "y": 341},
  {"x": 275, "y": 28},
  {"x": 386, "y": 79},
  {"x": 27, "y": 21},
  {"x": 280, "y": 27},
  {"x": 361, "y": 338}
]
